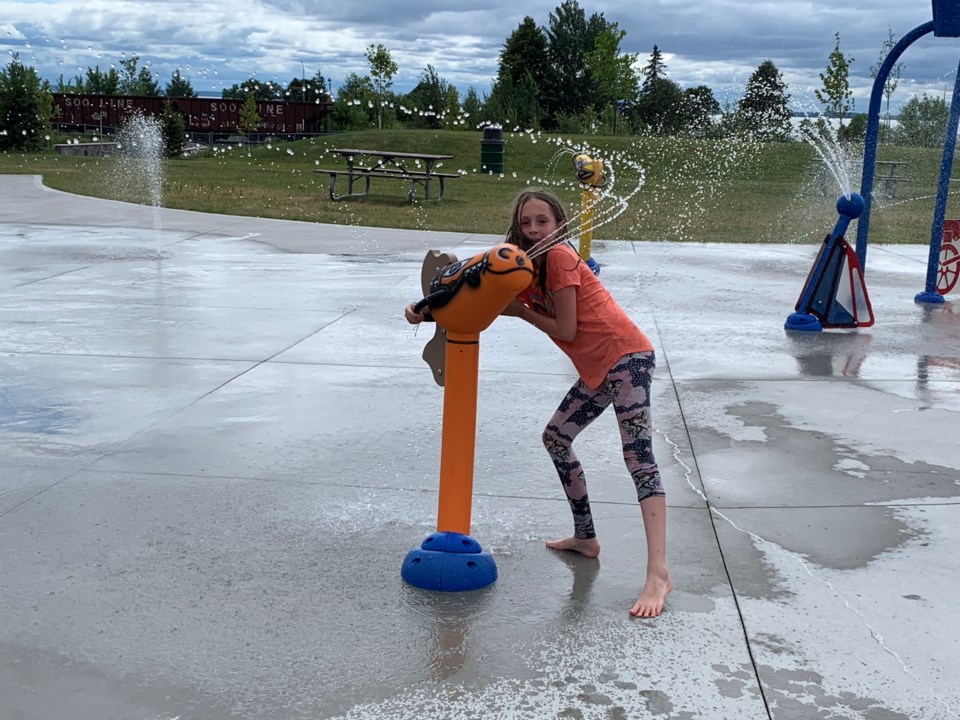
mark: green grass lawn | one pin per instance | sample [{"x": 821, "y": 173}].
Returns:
[{"x": 692, "y": 190}]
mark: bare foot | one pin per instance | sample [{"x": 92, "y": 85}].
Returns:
[
  {"x": 588, "y": 547},
  {"x": 652, "y": 597}
]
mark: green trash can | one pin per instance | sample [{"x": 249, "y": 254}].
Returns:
[{"x": 491, "y": 150}]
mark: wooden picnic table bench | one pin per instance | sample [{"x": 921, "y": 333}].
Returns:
[{"x": 386, "y": 164}]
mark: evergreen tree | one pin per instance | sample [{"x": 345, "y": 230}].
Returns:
[
  {"x": 836, "y": 96},
  {"x": 249, "y": 117},
  {"x": 654, "y": 70},
  {"x": 661, "y": 109},
  {"x": 22, "y": 115},
  {"x": 472, "y": 108},
  {"x": 179, "y": 86},
  {"x": 525, "y": 51},
  {"x": 763, "y": 110},
  {"x": 173, "y": 128},
  {"x": 701, "y": 107}
]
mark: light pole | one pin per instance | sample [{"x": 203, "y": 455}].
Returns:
[{"x": 303, "y": 82}]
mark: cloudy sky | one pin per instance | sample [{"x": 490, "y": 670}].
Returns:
[{"x": 718, "y": 43}]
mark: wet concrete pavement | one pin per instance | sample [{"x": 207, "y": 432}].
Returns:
[{"x": 218, "y": 442}]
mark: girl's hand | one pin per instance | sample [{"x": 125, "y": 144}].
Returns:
[
  {"x": 514, "y": 309},
  {"x": 413, "y": 317}
]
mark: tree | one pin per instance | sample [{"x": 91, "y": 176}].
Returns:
[
  {"x": 21, "y": 107},
  {"x": 309, "y": 89},
  {"x": 522, "y": 69},
  {"x": 702, "y": 106},
  {"x": 429, "y": 99},
  {"x": 99, "y": 82},
  {"x": 173, "y": 128},
  {"x": 654, "y": 70},
  {"x": 568, "y": 85},
  {"x": 179, "y": 86},
  {"x": 661, "y": 108},
  {"x": 471, "y": 107},
  {"x": 612, "y": 71},
  {"x": 249, "y": 117},
  {"x": 354, "y": 108},
  {"x": 893, "y": 79},
  {"x": 922, "y": 121},
  {"x": 134, "y": 81},
  {"x": 382, "y": 71},
  {"x": 836, "y": 97},
  {"x": 525, "y": 51},
  {"x": 262, "y": 91},
  {"x": 763, "y": 111}
]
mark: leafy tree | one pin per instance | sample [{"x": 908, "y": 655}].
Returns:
[
  {"x": 612, "y": 71},
  {"x": 99, "y": 82},
  {"x": 763, "y": 111},
  {"x": 382, "y": 71},
  {"x": 893, "y": 79},
  {"x": 429, "y": 98},
  {"x": 22, "y": 113},
  {"x": 309, "y": 89},
  {"x": 262, "y": 91},
  {"x": 568, "y": 85},
  {"x": 179, "y": 86},
  {"x": 174, "y": 129},
  {"x": 249, "y": 117},
  {"x": 134, "y": 81},
  {"x": 836, "y": 96},
  {"x": 354, "y": 108},
  {"x": 922, "y": 121}
]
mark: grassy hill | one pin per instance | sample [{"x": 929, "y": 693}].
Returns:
[{"x": 692, "y": 190}]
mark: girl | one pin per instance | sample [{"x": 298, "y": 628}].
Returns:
[{"x": 615, "y": 361}]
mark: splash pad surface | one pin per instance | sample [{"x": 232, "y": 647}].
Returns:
[{"x": 218, "y": 440}]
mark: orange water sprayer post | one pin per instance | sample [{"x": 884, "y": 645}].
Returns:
[{"x": 464, "y": 298}]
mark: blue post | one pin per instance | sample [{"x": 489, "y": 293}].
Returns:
[
  {"x": 930, "y": 294},
  {"x": 873, "y": 127}
]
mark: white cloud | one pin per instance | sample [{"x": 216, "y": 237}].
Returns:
[{"x": 718, "y": 43}]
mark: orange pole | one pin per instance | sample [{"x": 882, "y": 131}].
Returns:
[{"x": 458, "y": 443}]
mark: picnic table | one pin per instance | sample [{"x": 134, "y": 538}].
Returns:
[
  {"x": 889, "y": 174},
  {"x": 414, "y": 168}
]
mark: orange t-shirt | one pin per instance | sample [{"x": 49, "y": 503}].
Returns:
[{"x": 605, "y": 333}]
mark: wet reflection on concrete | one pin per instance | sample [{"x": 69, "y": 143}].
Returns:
[{"x": 218, "y": 442}]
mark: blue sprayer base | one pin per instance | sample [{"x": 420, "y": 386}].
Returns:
[
  {"x": 804, "y": 322},
  {"x": 593, "y": 265},
  {"x": 931, "y": 298},
  {"x": 449, "y": 562}
]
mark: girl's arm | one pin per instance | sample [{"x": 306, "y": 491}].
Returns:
[{"x": 564, "y": 325}]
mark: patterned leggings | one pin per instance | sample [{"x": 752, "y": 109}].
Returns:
[{"x": 627, "y": 386}]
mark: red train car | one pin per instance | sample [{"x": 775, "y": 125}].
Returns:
[{"x": 213, "y": 115}]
